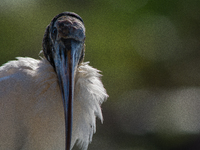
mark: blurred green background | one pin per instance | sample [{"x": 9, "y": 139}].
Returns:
[{"x": 148, "y": 52}]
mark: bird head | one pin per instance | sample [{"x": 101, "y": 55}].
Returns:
[
  {"x": 63, "y": 47},
  {"x": 64, "y": 28}
]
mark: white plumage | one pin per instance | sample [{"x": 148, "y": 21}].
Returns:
[{"x": 31, "y": 108}]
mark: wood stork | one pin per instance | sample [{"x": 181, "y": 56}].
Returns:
[{"x": 33, "y": 93}]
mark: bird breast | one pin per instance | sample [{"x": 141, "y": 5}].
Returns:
[{"x": 34, "y": 107}]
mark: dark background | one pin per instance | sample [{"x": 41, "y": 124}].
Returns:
[{"x": 148, "y": 52}]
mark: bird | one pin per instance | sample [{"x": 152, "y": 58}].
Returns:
[{"x": 51, "y": 103}]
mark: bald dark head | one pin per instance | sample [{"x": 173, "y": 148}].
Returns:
[{"x": 63, "y": 27}]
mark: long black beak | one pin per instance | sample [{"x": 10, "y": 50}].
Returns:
[{"x": 65, "y": 64}]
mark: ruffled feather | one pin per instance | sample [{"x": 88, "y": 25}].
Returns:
[{"x": 89, "y": 95}]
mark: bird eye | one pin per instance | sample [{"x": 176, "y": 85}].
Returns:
[
  {"x": 53, "y": 33},
  {"x": 54, "y": 30}
]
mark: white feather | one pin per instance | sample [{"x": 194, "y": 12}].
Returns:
[
  {"x": 89, "y": 95},
  {"x": 31, "y": 110}
]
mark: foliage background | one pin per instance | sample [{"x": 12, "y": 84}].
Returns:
[{"x": 148, "y": 52}]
